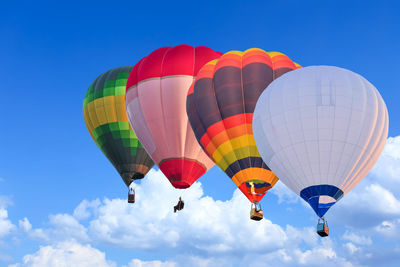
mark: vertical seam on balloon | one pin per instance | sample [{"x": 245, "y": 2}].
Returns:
[
  {"x": 353, "y": 171},
  {"x": 204, "y": 124},
  {"x": 105, "y": 75},
  {"x": 201, "y": 121},
  {"x": 188, "y": 126},
  {"x": 346, "y": 137},
  {"x": 137, "y": 159},
  {"x": 296, "y": 181},
  {"x": 330, "y": 179},
  {"x": 362, "y": 171},
  {"x": 350, "y": 171},
  {"x": 227, "y": 132},
  {"x": 291, "y": 139},
  {"x": 199, "y": 147},
  {"x": 303, "y": 185},
  {"x": 117, "y": 156},
  {"x": 111, "y": 150},
  {"x": 124, "y": 160},
  {"x": 370, "y": 157},
  {"x": 141, "y": 108},
  {"x": 162, "y": 103},
  {"x": 317, "y": 131},
  {"x": 245, "y": 117},
  {"x": 282, "y": 148},
  {"x": 299, "y": 185},
  {"x": 130, "y": 160}
]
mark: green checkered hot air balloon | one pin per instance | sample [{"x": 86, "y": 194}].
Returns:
[{"x": 107, "y": 122}]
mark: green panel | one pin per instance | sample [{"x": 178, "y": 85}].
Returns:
[
  {"x": 110, "y": 91},
  {"x": 124, "y": 125},
  {"x": 124, "y": 134},
  {"x": 120, "y": 90}
]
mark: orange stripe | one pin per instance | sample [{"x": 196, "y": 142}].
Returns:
[
  {"x": 256, "y": 174},
  {"x": 207, "y": 71},
  {"x": 225, "y": 124},
  {"x": 284, "y": 64},
  {"x": 229, "y": 60},
  {"x": 279, "y": 57},
  {"x": 259, "y": 56},
  {"x": 225, "y": 136}
]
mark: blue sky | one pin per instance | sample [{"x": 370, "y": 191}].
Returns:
[{"x": 58, "y": 192}]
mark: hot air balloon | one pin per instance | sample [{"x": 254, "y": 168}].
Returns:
[
  {"x": 155, "y": 103},
  {"x": 320, "y": 129},
  {"x": 105, "y": 117},
  {"x": 220, "y": 105}
]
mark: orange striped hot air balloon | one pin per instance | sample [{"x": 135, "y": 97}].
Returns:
[{"x": 220, "y": 106}]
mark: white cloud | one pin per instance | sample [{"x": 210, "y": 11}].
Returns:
[
  {"x": 85, "y": 209},
  {"x": 285, "y": 195},
  {"x": 387, "y": 170},
  {"x": 204, "y": 225},
  {"x": 25, "y": 225},
  {"x": 68, "y": 253},
  {"x": 389, "y": 229},
  {"x": 356, "y": 238},
  {"x": 209, "y": 229},
  {"x": 351, "y": 248},
  {"x": 62, "y": 227},
  {"x": 6, "y": 226},
  {"x": 366, "y": 206},
  {"x": 140, "y": 263},
  {"x": 5, "y": 201},
  {"x": 210, "y": 232}
]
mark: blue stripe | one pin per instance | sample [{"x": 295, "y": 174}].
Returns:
[{"x": 311, "y": 194}]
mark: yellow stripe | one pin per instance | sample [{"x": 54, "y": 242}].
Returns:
[
  {"x": 105, "y": 110},
  {"x": 212, "y": 62},
  {"x": 235, "y": 144},
  {"x": 232, "y": 156},
  {"x": 274, "y": 54},
  {"x": 235, "y": 52},
  {"x": 255, "y": 49},
  {"x": 88, "y": 122}
]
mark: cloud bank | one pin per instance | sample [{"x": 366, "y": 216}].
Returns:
[{"x": 210, "y": 232}]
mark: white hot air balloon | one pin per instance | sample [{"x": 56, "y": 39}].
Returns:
[{"x": 320, "y": 129}]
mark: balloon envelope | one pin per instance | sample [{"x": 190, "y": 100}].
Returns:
[
  {"x": 105, "y": 117},
  {"x": 220, "y": 105},
  {"x": 155, "y": 103},
  {"x": 320, "y": 129}
]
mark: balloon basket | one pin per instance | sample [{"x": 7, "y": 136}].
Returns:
[
  {"x": 322, "y": 228},
  {"x": 131, "y": 197},
  {"x": 256, "y": 212}
]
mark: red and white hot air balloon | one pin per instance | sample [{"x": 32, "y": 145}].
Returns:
[{"x": 156, "y": 106}]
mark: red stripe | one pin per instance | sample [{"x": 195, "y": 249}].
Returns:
[
  {"x": 182, "y": 173},
  {"x": 250, "y": 196},
  {"x": 225, "y": 124}
]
